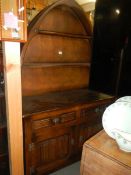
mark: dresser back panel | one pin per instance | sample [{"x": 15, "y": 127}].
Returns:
[
  {"x": 62, "y": 19},
  {"x": 57, "y": 54},
  {"x": 53, "y": 78},
  {"x": 56, "y": 49}
]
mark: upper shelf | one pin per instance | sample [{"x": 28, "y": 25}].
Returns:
[
  {"x": 62, "y": 34},
  {"x": 54, "y": 64}
]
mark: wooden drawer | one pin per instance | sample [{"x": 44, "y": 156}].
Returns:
[
  {"x": 54, "y": 120},
  {"x": 47, "y": 128},
  {"x": 92, "y": 114},
  {"x": 91, "y": 122}
]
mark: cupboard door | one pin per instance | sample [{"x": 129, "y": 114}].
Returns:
[
  {"x": 86, "y": 131},
  {"x": 92, "y": 123},
  {"x": 49, "y": 143},
  {"x": 49, "y": 154}
]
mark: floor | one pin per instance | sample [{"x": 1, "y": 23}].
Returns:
[{"x": 73, "y": 169}]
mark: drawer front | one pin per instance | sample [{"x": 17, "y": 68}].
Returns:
[
  {"x": 91, "y": 123},
  {"x": 93, "y": 113},
  {"x": 47, "y": 128},
  {"x": 43, "y": 123},
  {"x": 54, "y": 120}
]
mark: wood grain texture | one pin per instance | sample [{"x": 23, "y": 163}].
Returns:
[
  {"x": 59, "y": 113},
  {"x": 101, "y": 155},
  {"x": 12, "y": 69},
  {"x": 53, "y": 79},
  {"x": 63, "y": 12},
  {"x": 57, "y": 124},
  {"x": 60, "y": 41},
  {"x": 57, "y": 49}
]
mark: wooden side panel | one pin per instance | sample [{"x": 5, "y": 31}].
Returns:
[
  {"x": 40, "y": 80},
  {"x": 102, "y": 165},
  {"x": 12, "y": 69},
  {"x": 56, "y": 49}
]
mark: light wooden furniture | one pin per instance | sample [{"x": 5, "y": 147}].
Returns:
[
  {"x": 4, "y": 163},
  {"x": 101, "y": 155},
  {"x": 12, "y": 76}
]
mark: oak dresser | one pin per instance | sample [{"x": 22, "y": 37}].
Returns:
[{"x": 59, "y": 111}]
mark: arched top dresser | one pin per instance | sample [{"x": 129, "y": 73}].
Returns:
[{"x": 59, "y": 112}]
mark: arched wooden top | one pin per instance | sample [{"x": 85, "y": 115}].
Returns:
[
  {"x": 57, "y": 54},
  {"x": 64, "y": 9}
]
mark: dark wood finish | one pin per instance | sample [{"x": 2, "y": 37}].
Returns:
[
  {"x": 53, "y": 78},
  {"x": 101, "y": 155},
  {"x": 63, "y": 34},
  {"x": 57, "y": 124},
  {"x": 52, "y": 38},
  {"x": 59, "y": 112},
  {"x": 62, "y": 52}
]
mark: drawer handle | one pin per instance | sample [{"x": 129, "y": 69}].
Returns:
[
  {"x": 56, "y": 120},
  {"x": 97, "y": 110}
]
